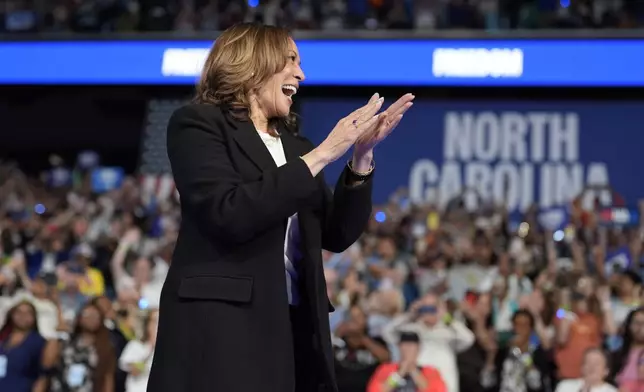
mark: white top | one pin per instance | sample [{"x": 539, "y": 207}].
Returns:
[
  {"x": 439, "y": 344},
  {"x": 576, "y": 386},
  {"x": 133, "y": 353},
  {"x": 292, "y": 240}
]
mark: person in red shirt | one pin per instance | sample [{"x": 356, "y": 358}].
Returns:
[{"x": 405, "y": 375}]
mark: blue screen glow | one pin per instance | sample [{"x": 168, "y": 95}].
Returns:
[{"x": 597, "y": 62}]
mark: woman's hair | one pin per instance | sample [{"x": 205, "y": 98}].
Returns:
[
  {"x": 243, "y": 58},
  {"x": 7, "y": 328},
  {"x": 524, "y": 313},
  {"x": 102, "y": 344},
  {"x": 621, "y": 356}
]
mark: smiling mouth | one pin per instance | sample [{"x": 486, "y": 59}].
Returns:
[{"x": 289, "y": 90}]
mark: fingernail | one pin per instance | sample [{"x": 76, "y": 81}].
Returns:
[
  {"x": 381, "y": 99},
  {"x": 376, "y": 95}
]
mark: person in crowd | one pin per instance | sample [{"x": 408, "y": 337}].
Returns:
[
  {"x": 387, "y": 268},
  {"x": 85, "y": 360},
  {"x": 504, "y": 306},
  {"x": 243, "y": 175},
  {"x": 119, "y": 341},
  {"x": 136, "y": 359},
  {"x": 357, "y": 354},
  {"x": 628, "y": 296},
  {"x": 406, "y": 375},
  {"x": 90, "y": 280},
  {"x": 141, "y": 286},
  {"x": 577, "y": 330},
  {"x": 21, "y": 351},
  {"x": 70, "y": 299},
  {"x": 43, "y": 296},
  {"x": 442, "y": 336},
  {"x": 595, "y": 370},
  {"x": 628, "y": 369},
  {"x": 521, "y": 365}
]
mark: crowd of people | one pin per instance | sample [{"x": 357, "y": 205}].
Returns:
[
  {"x": 428, "y": 299},
  {"x": 215, "y": 15}
]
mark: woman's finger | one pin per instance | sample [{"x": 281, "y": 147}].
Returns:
[
  {"x": 398, "y": 107},
  {"x": 371, "y": 110},
  {"x": 367, "y": 111},
  {"x": 367, "y": 126},
  {"x": 361, "y": 109}
]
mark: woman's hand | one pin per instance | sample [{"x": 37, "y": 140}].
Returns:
[
  {"x": 344, "y": 135},
  {"x": 392, "y": 116}
]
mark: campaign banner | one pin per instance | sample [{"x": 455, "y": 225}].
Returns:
[
  {"x": 105, "y": 179},
  {"x": 512, "y": 153},
  {"x": 342, "y": 62}
]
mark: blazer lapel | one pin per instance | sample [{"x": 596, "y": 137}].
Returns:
[{"x": 252, "y": 144}]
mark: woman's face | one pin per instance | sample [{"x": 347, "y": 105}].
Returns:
[
  {"x": 24, "y": 318},
  {"x": 274, "y": 96},
  {"x": 522, "y": 326},
  {"x": 594, "y": 366},
  {"x": 580, "y": 306},
  {"x": 90, "y": 319}
]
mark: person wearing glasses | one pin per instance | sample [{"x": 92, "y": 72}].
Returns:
[{"x": 441, "y": 337}]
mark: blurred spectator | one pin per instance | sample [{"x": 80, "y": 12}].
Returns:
[
  {"x": 357, "y": 354},
  {"x": 21, "y": 351},
  {"x": 442, "y": 337},
  {"x": 118, "y": 339},
  {"x": 85, "y": 361},
  {"x": 521, "y": 365},
  {"x": 136, "y": 359},
  {"x": 594, "y": 372},
  {"x": 20, "y": 16},
  {"x": 406, "y": 375},
  {"x": 92, "y": 16},
  {"x": 628, "y": 368},
  {"x": 578, "y": 329}
]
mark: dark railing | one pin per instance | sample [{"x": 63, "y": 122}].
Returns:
[{"x": 344, "y": 35}]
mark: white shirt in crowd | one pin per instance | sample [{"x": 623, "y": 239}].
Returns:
[
  {"x": 577, "y": 385},
  {"x": 137, "y": 352},
  {"x": 292, "y": 240},
  {"x": 439, "y": 345},
  {"x": 150, "y": 292}
]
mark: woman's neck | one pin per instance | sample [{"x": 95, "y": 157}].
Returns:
[
  {"x": 87, "y": 338},
  {"x": 16, "y": 337},
  {"x": 259, "y": 119}
]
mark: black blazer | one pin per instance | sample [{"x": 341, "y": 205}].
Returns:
[{"x": 224, "y": 319}]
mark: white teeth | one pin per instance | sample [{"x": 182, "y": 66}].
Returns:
[{"x": 290, "y": 88}]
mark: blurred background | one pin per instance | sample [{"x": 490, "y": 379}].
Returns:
[{"x": 505, "y": 247}]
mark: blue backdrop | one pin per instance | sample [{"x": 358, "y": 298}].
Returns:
[{"x": 515, "y": 153}]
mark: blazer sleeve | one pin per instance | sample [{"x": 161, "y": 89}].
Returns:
[
  {"x": 347, "y": 213},
  {"x": 347, "y": 209},
  {"x": 213, "y": 192}
]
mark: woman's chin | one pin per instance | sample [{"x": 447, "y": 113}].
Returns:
[{"x": 283, "y": 110}]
